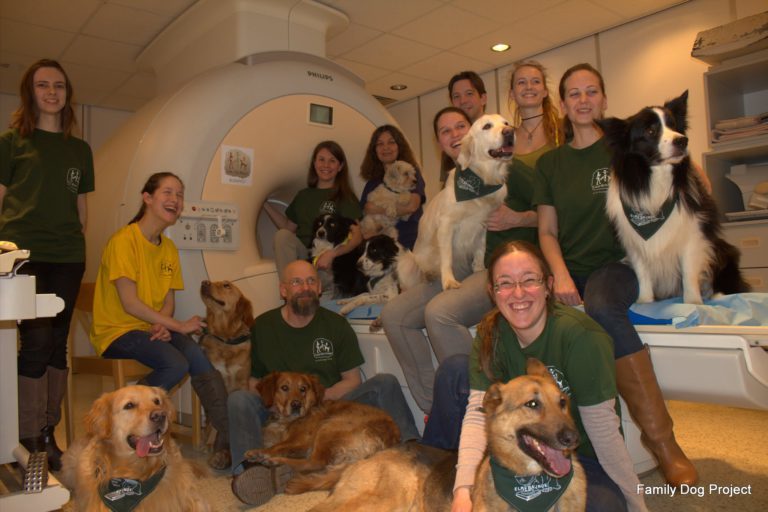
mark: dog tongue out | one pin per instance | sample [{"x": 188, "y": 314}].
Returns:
[
  {"x": 559, "y": 464},
  {"x": 144, "y": 444}
]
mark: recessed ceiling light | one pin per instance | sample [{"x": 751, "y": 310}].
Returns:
[
  {"x": 500, "y": 47},
  {"x": 398, "y": 87}
]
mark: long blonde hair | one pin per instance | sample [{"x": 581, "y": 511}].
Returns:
[{"x": 551, "y": 120}]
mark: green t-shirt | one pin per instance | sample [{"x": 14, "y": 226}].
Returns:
[
  {"x": 326, "y": 347},
  {"x": 575, "y": 182},
  {"x": 576, "y": 351},
  {"x": 309, "y": 203},
  {"x": 44, "y": 174},
  {"x": 520, "y": 178}
]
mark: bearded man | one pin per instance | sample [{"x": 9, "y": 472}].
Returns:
[{"x": 301, "y": 336}]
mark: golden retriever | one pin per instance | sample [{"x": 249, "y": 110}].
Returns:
[
  {"x": 398, "y": 184},
  {"x": 530, "y": 433},
  {"x": 319, "y": 439},
  {"x": 226, "y": 342},
  {"x": 453, "y": 226},
  {"x": 127, "y": 442}
]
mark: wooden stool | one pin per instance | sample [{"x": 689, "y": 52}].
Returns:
[{"x": 121, "y": 371}]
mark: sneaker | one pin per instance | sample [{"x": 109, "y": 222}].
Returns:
[{"x": 257, "y": 484}]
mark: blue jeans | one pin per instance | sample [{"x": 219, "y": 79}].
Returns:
[
  {"x": 443, "y": 430},
  {"x": 608, "y": 293},
  {"x": 451, "y": 392},
  {"x": 247, "y": 414},
  {"x": 602, "y": 493},
  {"x": 171, "y": 360},
  {"x": 44, "y": 340}
]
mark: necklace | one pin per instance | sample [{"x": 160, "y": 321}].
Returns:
[
  {"x": 530, "y": 132},
  {"x": 532, "y": 117}
]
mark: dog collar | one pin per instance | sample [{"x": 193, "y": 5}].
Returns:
[
  {"x": 528, "y": 493},
  {"x": 647, "y": 224},
  {"x": 231, "y": 341},
  {"x": 468, "y": 185},
  {"x": 125, "y": 494}
]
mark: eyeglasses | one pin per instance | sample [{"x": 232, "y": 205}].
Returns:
[
  {"x": 297, "y": 282},
  {"x": 530, "y": 284}
]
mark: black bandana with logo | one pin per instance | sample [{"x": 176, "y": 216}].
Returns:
[
  {"x": 528, "y": 493},
  {"x": 125, "y": 494},
  {"x": 645, "y": 224},
  {"x": 468, "y": 185}
]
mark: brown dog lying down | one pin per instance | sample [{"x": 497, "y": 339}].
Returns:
[
  {"x": 319, "y": 439},
  {"x": 226, "y": 341},
  {"x": 530, "y": 434},
  {"x": 126, "y": 450}
]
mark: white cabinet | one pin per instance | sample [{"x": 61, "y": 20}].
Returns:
[{"x": 735, "y": 88}]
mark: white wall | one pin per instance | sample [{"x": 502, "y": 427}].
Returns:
[{"x": 645, "y": 62}]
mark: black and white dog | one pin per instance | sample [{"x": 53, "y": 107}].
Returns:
[
  {"x": 331, "y": 230},
  {"x": 379, "y": 263},
  {"x": 665, "y": 218}
]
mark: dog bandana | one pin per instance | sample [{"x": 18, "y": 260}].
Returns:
[
  {"x": 534, "y": 493},
  {"x": 125, "y": 494},
  {"x": 468, "y": 185},
  {"x": 645, "y": 224}
]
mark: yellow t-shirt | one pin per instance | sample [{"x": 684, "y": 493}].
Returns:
[{"x": 154, "y": 268}]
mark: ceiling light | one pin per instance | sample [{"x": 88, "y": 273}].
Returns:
[
  {"x": 500, "y": 47},
  {"x": 398, "y": 87}
]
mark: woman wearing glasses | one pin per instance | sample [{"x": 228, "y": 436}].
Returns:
[{"x": 528, "y": 322}]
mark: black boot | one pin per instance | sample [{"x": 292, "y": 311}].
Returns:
[
  {"x": 213, "y": 395},
  {"x": 33, "y": 398},
  {"x": 53, "y": 450}
]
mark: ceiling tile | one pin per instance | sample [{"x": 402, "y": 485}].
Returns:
[
  {"x": 416, "y": 86},
  {"x": 33, "y": 40},
  {"x": 522, "y": 43},
  {"x": 506, "y": 10},
  {"x": 170, "y": 8},
  {"x": 364, "y": 71},
  {"x": 441, "y": 67},
  {"x": 140, "y": 85},
  {"x": 571, "y": 20},
  {"x": 354, "y": 36},
  {"x": 637, "y": 9},
  {"x": 100, "y": 52},
  {"x": 383, "y": 15},
  {"x": 390, "y": 52},
  {"x": 447, "y": 27},
  {"x": 125, "y": 25},
  {"x": 98, "y": 79},
  {"x": 67, "y": 15}
]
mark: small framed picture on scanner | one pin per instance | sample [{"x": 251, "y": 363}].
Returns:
[{"x": 320, "y": 114}]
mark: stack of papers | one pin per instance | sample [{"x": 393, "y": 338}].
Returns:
[{"x": 740, "y": 128}]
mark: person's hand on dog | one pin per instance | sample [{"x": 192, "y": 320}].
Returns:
[
  {"x": 566, "y": 291},
  {"x": 504, "y": 217},
  {"x": 194, "y": 325},
  {"x": 462, "y": 501},
  {"x": 325, "y": 260},
  {"x": 159, "y": 332}
]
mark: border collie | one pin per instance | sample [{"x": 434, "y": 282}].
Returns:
[
  {"x": 665, "y": 219},
  {"x": 332, "y": 230},
  {"x": 378, "y": 262}
]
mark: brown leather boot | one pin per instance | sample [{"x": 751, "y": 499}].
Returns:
[
  {"x": 57, "y": 389},
  {"x": 638, "y": 386},
  {"x": 33, "y": 397},
  {"x": 213, "y": 396}
]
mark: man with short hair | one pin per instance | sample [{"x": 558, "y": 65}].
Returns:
[
  {"x": 466, "y": 91},
  {"x": 301, "y": 336}
]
